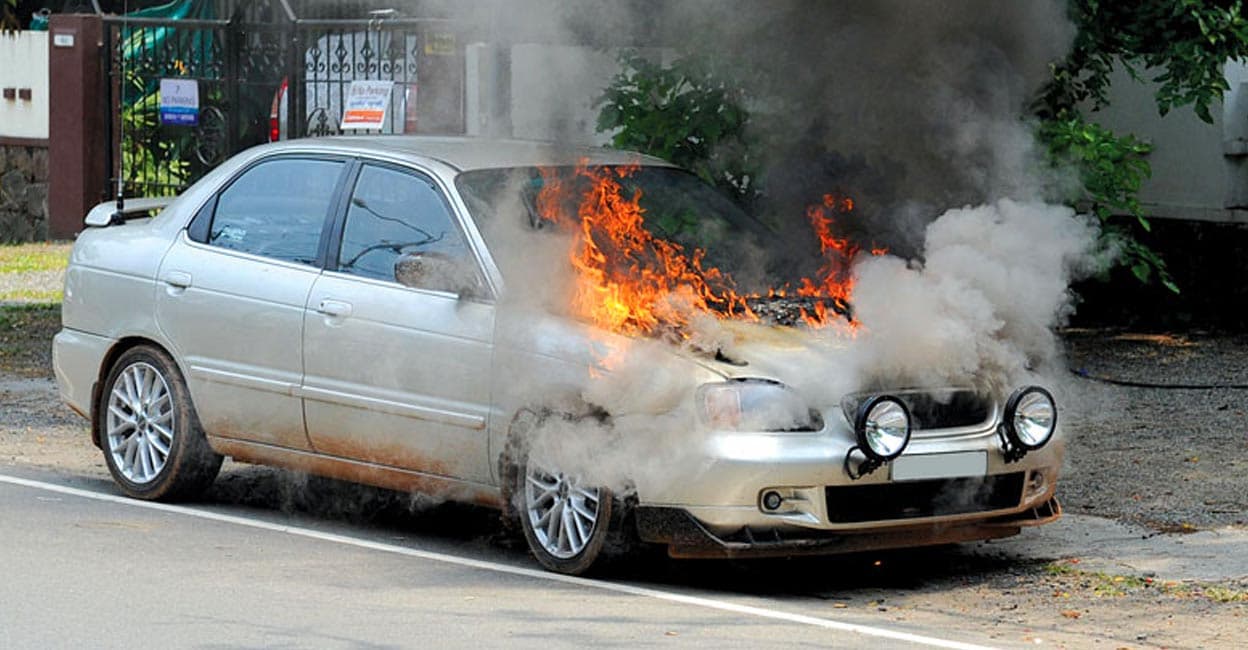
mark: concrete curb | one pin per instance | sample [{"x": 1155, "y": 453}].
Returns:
[{"x": 1124, "y": 549}]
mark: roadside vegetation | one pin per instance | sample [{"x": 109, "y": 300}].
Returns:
[
  {"x": 30, "y": 309},
  {"x": 1066, "y": 577},
  {"x": 8, "y": 16}
]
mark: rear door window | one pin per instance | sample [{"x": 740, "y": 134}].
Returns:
[{"x": 277, "y": 209}]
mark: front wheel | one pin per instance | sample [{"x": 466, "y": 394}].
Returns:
[
  {"x": 152, "y": 440},
  {"x": 570, "y": 527},
  {"x": 565, "y": 523}
]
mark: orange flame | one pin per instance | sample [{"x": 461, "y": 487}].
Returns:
[
  {"x": 631, "y": 282},
  {"x": 628, "y": 280},
  {"x": 836, "y": 280}
]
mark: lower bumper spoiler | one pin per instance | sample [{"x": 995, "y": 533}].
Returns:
[{"x": 685, "y": 537}]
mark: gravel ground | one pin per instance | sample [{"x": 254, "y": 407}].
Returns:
[
  {"x": 26, "y": 333},
  {"x": 1175, "y": 459},
  {"x": 36, "y": 429}
]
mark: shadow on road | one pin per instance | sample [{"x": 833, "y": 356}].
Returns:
[{"x": 460, "y": 526}]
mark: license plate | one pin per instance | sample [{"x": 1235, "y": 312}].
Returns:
[{"x": 929, "y": 466}]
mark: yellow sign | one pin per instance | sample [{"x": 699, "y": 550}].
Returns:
[{"x": 440, "y": 44}]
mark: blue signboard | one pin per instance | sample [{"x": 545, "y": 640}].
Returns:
[{"x": 179, "y": 102}]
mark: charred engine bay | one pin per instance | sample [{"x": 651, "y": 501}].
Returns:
[
  {"x": 783, "y": 311},
  {"x": 793, "y": 310}
]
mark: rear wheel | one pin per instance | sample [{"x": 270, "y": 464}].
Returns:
[{"x": 152, "y": 440}]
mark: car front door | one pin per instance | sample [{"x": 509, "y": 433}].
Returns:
[
  {"x": 232, "y": 293},
  {"x": 398, "y": 334}
]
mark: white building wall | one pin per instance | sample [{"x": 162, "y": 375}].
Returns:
[
  {"x": 1200, "y": 170},
  {"x": 24, "y": 64}
]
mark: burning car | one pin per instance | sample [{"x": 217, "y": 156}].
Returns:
[{"x": 375, "y": 309}]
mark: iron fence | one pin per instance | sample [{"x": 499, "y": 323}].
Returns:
[{"x": 261, "y": 75}]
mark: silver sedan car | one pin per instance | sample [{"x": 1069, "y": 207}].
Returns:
[{"x": 339, "y": 306}]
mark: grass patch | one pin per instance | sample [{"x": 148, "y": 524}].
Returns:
[
  {"x": 1107, "y": 585},
  {"x": 33, "y": 296},
  {"x": 31, "y": 273},
  {"x": 1219, "y": 594},
  {"x": 26, "y": 333},
  {"x": 34, "y": 258}
]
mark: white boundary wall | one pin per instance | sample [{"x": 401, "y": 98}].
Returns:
[{"x": 24, "y": 64}]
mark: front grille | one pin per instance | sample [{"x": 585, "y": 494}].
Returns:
[
  {"x": 915, "y": 499},
  {"x": 934, "y": 410},
  {"x": 947, "y": 410}
]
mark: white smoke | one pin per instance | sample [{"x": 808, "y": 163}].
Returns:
[
  {"x": 978, "y": 310},
  {"x": 929, "y": 95},
  {"x": 982, "y": 305}
]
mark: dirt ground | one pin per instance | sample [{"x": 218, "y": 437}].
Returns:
[{"x": 1174, "y": 459}]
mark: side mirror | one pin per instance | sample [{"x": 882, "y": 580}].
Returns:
[{"x": 437, "y": 272}]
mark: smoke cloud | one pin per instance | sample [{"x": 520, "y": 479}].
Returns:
[
  {"x": 983, "y": 304},
  {"x": 916, "y": 110},
  {"x": 909, "y": 107}
]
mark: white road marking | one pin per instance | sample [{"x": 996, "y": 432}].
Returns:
[{"x": 645, "y": 592}]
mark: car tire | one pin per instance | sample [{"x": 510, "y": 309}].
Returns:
[
  {"x": 151, "y": 437},
  {"x": 569, "y": 528}
]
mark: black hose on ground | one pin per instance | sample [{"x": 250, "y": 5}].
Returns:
[{"x": 1083, "y": 373}]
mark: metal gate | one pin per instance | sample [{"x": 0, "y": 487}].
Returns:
[{"x": 263, "y": 74}]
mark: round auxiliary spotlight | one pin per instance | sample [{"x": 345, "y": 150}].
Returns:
[
  {"x": 882, "y": 428},
  {"x": 1030, "y": 418}
]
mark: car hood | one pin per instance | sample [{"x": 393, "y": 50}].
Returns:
[{"x": 815, "y": 364}]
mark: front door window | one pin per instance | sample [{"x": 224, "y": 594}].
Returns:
[{"x": 399, "y": 228}]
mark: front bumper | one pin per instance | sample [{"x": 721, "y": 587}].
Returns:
[
  {"x": 718, "y": 509},
  {"x": 686, "y": 537}
]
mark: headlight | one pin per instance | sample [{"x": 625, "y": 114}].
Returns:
[
  {"x": 755, "y": 405},
  {"x": 882, "y": 428},
  {"x": 1030, "y": 417}
]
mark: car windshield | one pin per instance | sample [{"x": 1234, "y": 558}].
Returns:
[{"x": 676, "y": 206}]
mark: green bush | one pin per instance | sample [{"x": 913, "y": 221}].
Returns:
[
  {"x": 1111, "y": 170},
  {"x": 685, "y": 114}
]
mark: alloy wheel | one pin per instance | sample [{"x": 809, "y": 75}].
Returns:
[
  {"x": 140, "y": 422},
  {"x": 563, "y": 514}
]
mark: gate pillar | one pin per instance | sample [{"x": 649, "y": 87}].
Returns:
[
  {"x": 77, "y": 137},
  {"x": 440, "y": 95}
]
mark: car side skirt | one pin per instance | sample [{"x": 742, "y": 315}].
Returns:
[{"x": 382, "y": 476}]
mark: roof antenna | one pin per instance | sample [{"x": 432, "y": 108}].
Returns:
[{"x": 120, "y": 215}]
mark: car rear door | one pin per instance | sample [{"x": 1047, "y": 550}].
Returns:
[
  {"x": 396, "y": 374},
  {"x": 233, "y": 290}
]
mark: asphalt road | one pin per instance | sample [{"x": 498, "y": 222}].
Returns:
[
  {"x": 273, "y": 559},
  {"x": 83, "y": 567}
]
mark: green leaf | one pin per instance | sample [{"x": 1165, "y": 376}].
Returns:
[{"x": 682, "y": 113}]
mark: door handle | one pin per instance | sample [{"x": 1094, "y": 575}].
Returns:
[
  {"x": 334, "y": 308},
  {"x": 179, "y": 279}
]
